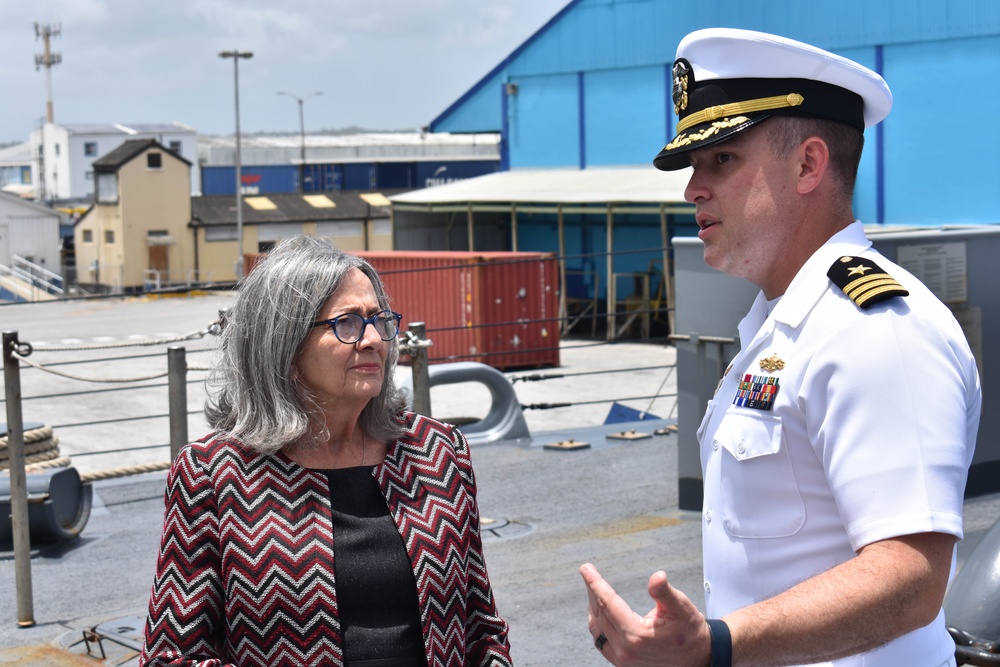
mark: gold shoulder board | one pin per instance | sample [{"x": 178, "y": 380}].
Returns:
[{"x": 864, "y": 282}]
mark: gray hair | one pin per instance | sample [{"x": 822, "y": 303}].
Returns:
[{"x": 254, "y": 395}]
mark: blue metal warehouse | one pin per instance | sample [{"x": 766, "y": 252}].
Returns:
[{"x": 591, "y": 88}]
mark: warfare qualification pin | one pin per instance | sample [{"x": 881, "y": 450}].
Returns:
[{"x": 771, "y": 364}]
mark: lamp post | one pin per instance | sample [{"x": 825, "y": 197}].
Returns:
[
  {"x": 236, "y": 55},
  {"x": 302, "y": 132}
]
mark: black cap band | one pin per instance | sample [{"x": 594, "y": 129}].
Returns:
[{"x": 819, "y": 99}]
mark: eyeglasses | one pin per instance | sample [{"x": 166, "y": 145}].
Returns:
[{"x": 349, "y": 328}]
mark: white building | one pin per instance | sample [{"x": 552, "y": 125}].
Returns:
[
  {"x": 15, "y": 169},
  {"x": 266, "y": 149},
  {"x": 30, "y": 249},
  {"x": 69, "y": 152}
]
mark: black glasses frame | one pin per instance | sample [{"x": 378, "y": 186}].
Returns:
[{"x": 386, "y": 315}]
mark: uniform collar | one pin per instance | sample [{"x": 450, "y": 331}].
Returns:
[{"x": 811, "y": 282}]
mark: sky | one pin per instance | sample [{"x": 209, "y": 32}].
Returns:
[{"x": 379, "y": 64}]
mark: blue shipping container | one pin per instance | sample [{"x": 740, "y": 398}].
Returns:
[
  {"x": 436, "y": 172},
  {"x": 257, "y": 180},
  {"x": 323, "y": 178},
  {"x": 333, "y": 177},
  {"x": 395, "y": 175},
  {"x": 360, "y": 176}
]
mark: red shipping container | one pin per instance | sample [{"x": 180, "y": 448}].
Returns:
[{"x": 497, "y": 308}]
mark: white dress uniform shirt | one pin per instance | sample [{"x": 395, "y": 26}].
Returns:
[{"x": 869, "y": 436}]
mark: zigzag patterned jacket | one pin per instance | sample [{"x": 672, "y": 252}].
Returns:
[{"x": 245, "y": 570}]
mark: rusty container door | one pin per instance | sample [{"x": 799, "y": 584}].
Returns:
[
  {"x": 517, "y": 301},
  {"x": 434, "y": 288},
  {"x": 497, "y": 308}
]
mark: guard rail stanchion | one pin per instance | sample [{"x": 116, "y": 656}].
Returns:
[
  {"x": 418, "y": 364},
  {"x": 177, "y": 391},
  {"x": 18, "y": 482}
]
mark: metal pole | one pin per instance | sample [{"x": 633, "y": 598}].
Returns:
[
  {"x": 610, "y": 335},
  {"x": 563, "y": 312},
  {"x": 302, "y": 131},
  {"x": 421, "y": 372},
  {"x": 668, "y": 285},
  {"x": 513, "y": 227},
  {"x": 49, "y": 114},
  {"x": 302, "y": 135},
  {"x": 177, "y": 390},
  {"x": 47, "y": 59},
  {"x": 236, "y": 54},
  {"x": 18, "y": 482},
  {"x": 469, "y": 224},
  {"x": 239, "y": 173}
]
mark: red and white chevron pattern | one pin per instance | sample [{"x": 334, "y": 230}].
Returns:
[{"x": 245, "y": 572}]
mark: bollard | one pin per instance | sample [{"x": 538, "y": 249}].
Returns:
[
  {"x": 421, "y": 374},
  {"x": 18, "y": 483},
  {"x": 59, "y": 506},
  {"x": 177, "y": 390}
]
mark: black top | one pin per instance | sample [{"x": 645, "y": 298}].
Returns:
[{"x": 376, "y": 591}]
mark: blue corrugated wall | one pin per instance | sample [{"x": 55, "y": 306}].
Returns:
[
  {"x": 591, "y": 89},
  {"x": 544, "y": 122},
  {"x": 941, "y": 141},
  {"x": 624, "y": 115}
]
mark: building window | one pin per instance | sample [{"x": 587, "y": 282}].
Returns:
[
  {"x": 107, "y": 188},
  {"x": 175, "y": 147},
  {"x": 109, "y": 236},
  {"x": 220, "y": 233},
  {"x": 88, "y": 236},
  {"x": 57, "y": 150},
  {"x": 154, "y": 160},
  {"x": 89, "y": 175},
  {"x": 90, "y": 149}
]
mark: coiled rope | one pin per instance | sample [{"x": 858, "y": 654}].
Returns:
[
  {"x": 41, "y": 452},
  {"x": 41, "y": 445}
]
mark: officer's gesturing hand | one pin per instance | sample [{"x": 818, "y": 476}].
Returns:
[{"x": 673, "y": 633}]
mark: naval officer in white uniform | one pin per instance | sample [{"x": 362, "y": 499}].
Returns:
[{"x": 836, "y": 448}]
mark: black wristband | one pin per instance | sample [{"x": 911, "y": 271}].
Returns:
[{"x": 722, "y": 643}]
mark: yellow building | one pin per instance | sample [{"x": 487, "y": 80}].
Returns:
[
  {"x": 136, "y": 236},
  {"x": 352, "y": 220},
  {"x": 145, "y": 231}
]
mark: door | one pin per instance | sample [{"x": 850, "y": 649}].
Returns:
[{"x": 158, "y": 260}]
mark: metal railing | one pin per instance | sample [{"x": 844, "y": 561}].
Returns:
[
  {"x": 16, "y": 352},
  {"x": 37, "y": 275},
  {"x": 29, "y": 281},
  {"x": 20, "y": 355},
  {"x": 157, "y": 279}
]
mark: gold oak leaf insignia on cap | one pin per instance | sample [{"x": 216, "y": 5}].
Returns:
[{"x": 864, "y": 282}]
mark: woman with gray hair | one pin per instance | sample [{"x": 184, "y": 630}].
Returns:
[{"x": 320, "y": 523}]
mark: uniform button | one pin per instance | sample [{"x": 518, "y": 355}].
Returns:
[
  {"x": 708, "y": 587},
  {"x": 708, "y": 516},
  {"x": 741, "y": 448},
  {"x": 715, "y": 445}
]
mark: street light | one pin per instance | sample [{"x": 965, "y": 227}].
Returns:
[
  {"x": 302, "y": 132},
  {"x": 236, "y": 55}
]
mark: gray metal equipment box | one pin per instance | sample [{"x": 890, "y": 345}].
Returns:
[{"x": 959, "y": 264}]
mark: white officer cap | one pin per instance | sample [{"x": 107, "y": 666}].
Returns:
[{"x": 726, "y": 80}]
